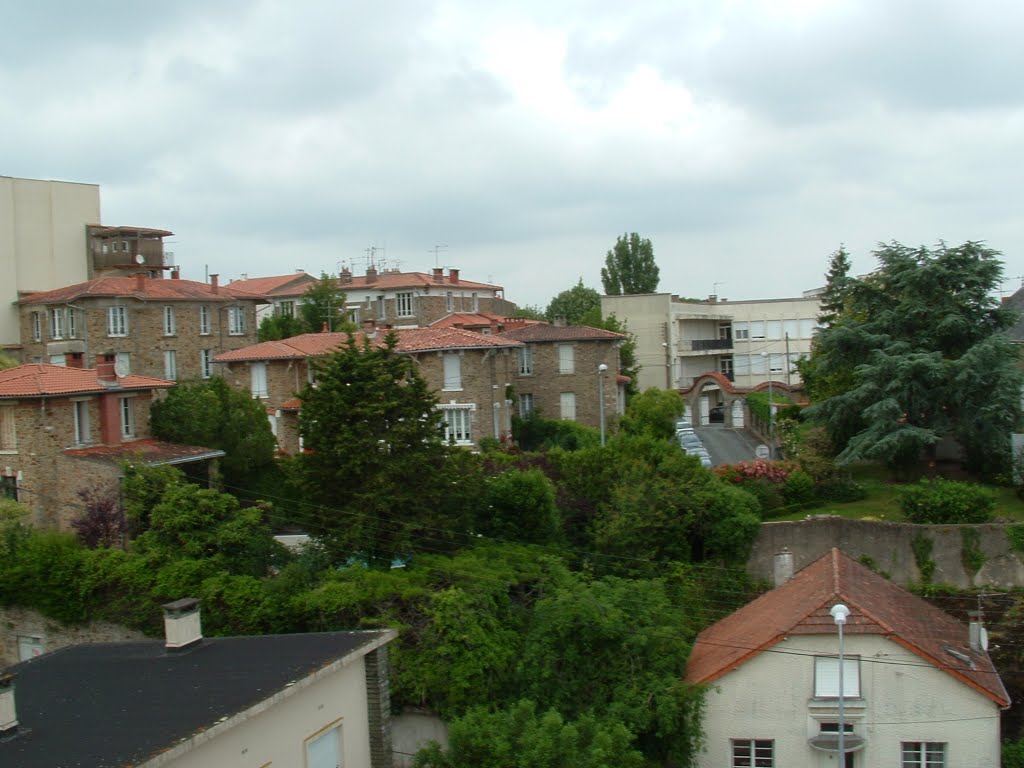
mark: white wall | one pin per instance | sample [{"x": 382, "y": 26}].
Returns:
[
  {"x": 278, "y": 735},
  {"x": 905, "y": 699},
  {"x": 42, "y": 240}
]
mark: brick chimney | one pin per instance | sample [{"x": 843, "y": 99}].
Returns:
[
  {"x": 215, "y": 283},
  {"x": 182, "y": 624},
  {"x": 345, "y": 277},
  {"x": 8, "y": 713},
  {"x": 105, "y": 367},
  {"x": 140, "y": 282},
  {"x": 453, "y": 276},
  {"x": 438, "y": 274},
  {"x": 782, "y": 570},
  {"x": 176, "y": 274},
  {"x": 371, "y": 274},
  {"x": 370, "y": 327}
]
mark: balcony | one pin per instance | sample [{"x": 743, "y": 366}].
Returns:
[{"x": 709, "y": 345}]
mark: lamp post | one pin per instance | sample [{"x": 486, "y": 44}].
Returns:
[
  {"x": 771, "y": 408},
  {"x": 839, "y": 613},
  {"x": 600, "y": 396}
]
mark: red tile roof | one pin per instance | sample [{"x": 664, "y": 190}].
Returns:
[
  {"x": 150, "y": 451},
  {"x": 545, "y": 332},
  {"x": 41, "y": 380},
  {"x": 122, "y": 230},
  {"x": 295, "y": 284},
  {"x": 478, "y": 319},
  {"x": 392, "y": 280},
  {"x": 410, "y": 340},
  {"x": 152, "y": 290},
  {"x": 877, "y": 607}
]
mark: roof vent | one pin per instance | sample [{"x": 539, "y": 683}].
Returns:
[
  {"x": 182, "y": 625},
  {"x": 8, "y": 714}
]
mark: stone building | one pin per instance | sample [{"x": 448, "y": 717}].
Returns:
[
  {"x": 167, "y": 328},
  {"x": 64, "y": 430}
]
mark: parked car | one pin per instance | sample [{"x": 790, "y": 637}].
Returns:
[{"x": 717, "y": 415}]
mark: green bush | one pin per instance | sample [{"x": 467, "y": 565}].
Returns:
[
  {"x": 941, "y": 501},
  {"x": 798, "y": 488},
  {"x": 841, "y": 490},
  {"x": 1013, "y": 754}
]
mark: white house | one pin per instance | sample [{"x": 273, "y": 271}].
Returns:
[
  {"x": 919, "y": 690},
  {"x": 316, "y": 700}
]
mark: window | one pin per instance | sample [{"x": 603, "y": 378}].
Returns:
[
  {"x": 452, "y": 371},
  {"x": 72, "y": 324},
  {"x": 525, "y": 404},
  {"x": 8, "y": 435},
  {"x": 775, "y": 362},
  {"x": 56, "y": 323},
  {"x": 286, "y": 309},
  {"x": 566, "y": 358},
  {"x": 526, "y": 360},
  {"x": 924, "y": 754},
  {"x": 326, "y": 750},
  {"x": 758, "y": 365},
  {"x": 169, "y": 324},
  {"x": 170, "y": 364},
  {"x": 117, "y": 321},
  {"x": 236, "y": 321},
  {"x": 725, "y": 366},
  {"x": 36, "y": 321},
  {"x": 790, "y": 329},
  {"x": 381, "y": 310},
  {"x": 773, "y": 329},
  {"x": 204, "y": 320},
  {"x": 567, "y": 405},
  {"x": 725, "y": 331},
  {"x": 449, "y": 302},
  {"x": 753, "y": 753},
  {"x": 127, "y": 417},
  {"x": 457, "y": 423},
  {"x": 58, "y": 360},
  {"x": 83, "y": 434},
  {"x": 403, "y": 302},
  {"x": 8, "y": 487},
  {"x": 741, "y": 331},
  {"x": 206, "y": 363},
  {"x": 807, "y": 327},
  {"x": 476, "y": 302},
  {"x": 258, "y": 377},
  {"x": 757, "y": 329},
  {"x": 826, "y": 677}
]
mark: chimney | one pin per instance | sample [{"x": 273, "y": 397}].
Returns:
[
  {"x": 105, "y": 367},
  {"x": 783, "y": 567},
  {"x": 370, "y": 327},
  {"x": 8, "y": 714},
  {"x": 140, "y": 281},
  {"x": 215, "y": 283},
  {"x": 182, "y": 626},
  {"x": 453, "y": 276},
  {"x": 74, "y": 360},
  {"x": 976, "y": 632},
  {"x": 438, "y": 274},
  {"x": 558, "y": 321},
  {"x": 176, "y": 274},
  {"x": 371, "y": 274},
  {"x": 345, "y": 276}
]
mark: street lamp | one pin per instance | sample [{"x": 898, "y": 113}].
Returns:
[
  {"x": 600, "y": 396},
  {"x": 839, "y": 613},
  {"x": 771, "y": 409}
]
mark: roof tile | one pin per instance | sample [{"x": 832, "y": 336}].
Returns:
[
  {"x": 42, "y": 380},
  {"x": 153, "y": 289}
]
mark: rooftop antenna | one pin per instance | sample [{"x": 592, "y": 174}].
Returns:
[
  {"x": 436, "y": 249},
  {"x": 714, "y": 287}
]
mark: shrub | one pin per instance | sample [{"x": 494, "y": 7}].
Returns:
[
  {"x": 841, "y": 489},
  {"x": 798, "y": 488},
  {"x": 940, "y": 501}
]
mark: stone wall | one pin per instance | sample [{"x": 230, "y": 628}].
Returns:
[
  {"x": 23, "y": 623},
  {"x": 890, "y": 549}
]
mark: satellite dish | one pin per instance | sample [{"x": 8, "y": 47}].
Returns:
[
  {"x": 140, "y": 259},
  {"x": 984, "y": 639},
  {"x": 121, "y": 367},
  {"x": 762, "y": 452}
]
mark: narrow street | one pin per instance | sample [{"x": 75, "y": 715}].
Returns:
[{"x": 727, "y": 445}]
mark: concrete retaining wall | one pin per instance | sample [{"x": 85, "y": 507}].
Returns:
[{"x": 23, "y": 625}]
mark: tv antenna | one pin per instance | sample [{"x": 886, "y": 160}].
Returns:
[{"x": 436, "y": 249}]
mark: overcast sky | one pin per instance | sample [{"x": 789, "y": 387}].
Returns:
[{"x": 747, "y": 140}]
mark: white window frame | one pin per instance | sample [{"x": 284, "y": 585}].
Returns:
[
  {"x": 566, "y": 358},
  {"x": 326, "y": 749},
  {"x": 475, "y": 298},
  {"x": 790, "y": 328},
  {"x": 526, "y": 360},
  {"x": 127, "y": 407},
  {"x": 236, "y": 321},
  {"x": 286, "y": 308},
  {"x": 452, "y": 367},
  {"x": 826, "y": 677},
  {"x": 923, "y": 754},
  {"x": 258, "y": 380},
  {"x": 773, "y": 329},
  {"x": 449, "y": 302},
  {"x": 72, "y": 323},
  {"x": 757, "y": 329},
  {"x": 403, "y": 304},
  {"x": 8, "y": 430},
  {"x": 567, "y": 406},
  {"x": 526, "y": 404},
  {"x": 56, "y": 323},
  {"x": 36, "y": 321},
  {"x": 117, "y": 321},
  {"x": 82, "y": 425},
  {"x": 204, "y": 319},
  {"x": 752, "y": 753},
  {"x": 205, "y": 363},
  {"x": 170, "y": 364},
  {"x": 740, "y": 331},
  {"x": 457, "y": 420},
  {"x": 170, "y": 325}
]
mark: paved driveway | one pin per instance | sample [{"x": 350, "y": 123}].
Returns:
[{"x": 727, "y": 445}]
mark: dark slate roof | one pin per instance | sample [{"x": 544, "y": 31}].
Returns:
[{"x": 120, "y": 704}]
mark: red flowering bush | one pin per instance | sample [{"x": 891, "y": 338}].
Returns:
[{"x": 765, "y": 480}]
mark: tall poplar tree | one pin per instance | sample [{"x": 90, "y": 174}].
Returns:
[{"x": 630, "y": 267}]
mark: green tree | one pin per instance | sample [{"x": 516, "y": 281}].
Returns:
[
  {"x": 838, "y": 285},
  {"x": 654, "y": 412},
  {"x": 520, "y": 506},
  {"x": 6, "y": 361},
  {"x": 214, "y": 415},
  {"x": 529, "y": 312},
  {"x": 376, "y": 461},
  {"x": 276, "y": 327},
  {"x": 630, "y": 267},
  {"x": 323, "y": 305},
  {"x": 574, "y": 304},
  {"x": 917, "y": 354}
]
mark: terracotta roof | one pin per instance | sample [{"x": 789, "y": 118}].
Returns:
[
  {"x": 295, "y": 404},
  {"x": 151, "y": 452},
  {"x": 877, "y": 607},
  {"x": 294, "y": 284},
  {"x": 545, "y": 332},
  {"x": 161, "y": 289},
  {"x": 41, "y": 380},
  {"x": 409, "y": 340},
  {"x": 122, "y": 230},
  {"x": 386, "y": 280}
]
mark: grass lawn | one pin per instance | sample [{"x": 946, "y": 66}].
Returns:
[{"x": 882, "y": 502}]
